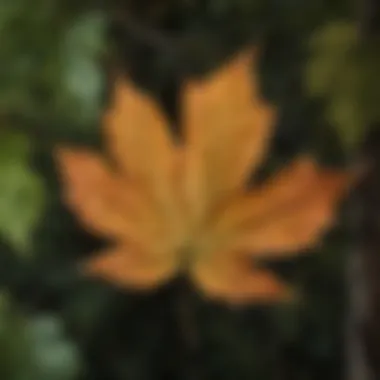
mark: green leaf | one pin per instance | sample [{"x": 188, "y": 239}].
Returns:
[
  {"x": 335, "y": 37},
  {"x": 21, "y": 192},
  {"x": 35, "y": 347},
  {"x": 50, "y": 68},
  {"x": 346, "y": 107},
  {"x": 54, "y": 357},
  {"x": 346, "y": 116},
  {"x": 331, "y": 49},
  {"x": 343, "y": 72},
  {"x": 82, "y": 73}
]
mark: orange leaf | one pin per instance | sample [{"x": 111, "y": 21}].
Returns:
[
  {"x": 159, "y": 201},
  {"x": 227, "y": 129},
  {"x": 286, "y": 214},
  {"x": 297, "y": 225},
  {"x": 139, "y": 140},
  {"x": 233, "y": 279},
  {"x": 130, "y": 268},
  {"x": 106, "y": 204}
]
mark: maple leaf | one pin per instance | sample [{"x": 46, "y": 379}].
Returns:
[{"x": 184, "y": 208}]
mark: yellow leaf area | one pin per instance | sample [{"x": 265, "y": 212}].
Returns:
[{"x": 184, "y": 209}]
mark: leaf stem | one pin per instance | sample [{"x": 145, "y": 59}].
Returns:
[{"x": 189, "y": 334}]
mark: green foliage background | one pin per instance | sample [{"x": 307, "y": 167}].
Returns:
[{"x": 54, "y": 60}]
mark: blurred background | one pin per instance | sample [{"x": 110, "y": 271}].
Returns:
[{"x": 320, "y": 66}]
